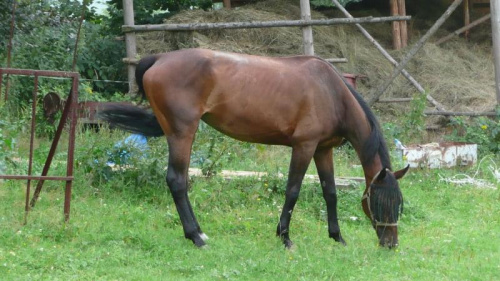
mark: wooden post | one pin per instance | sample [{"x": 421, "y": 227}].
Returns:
[
  {"x": 391, "y": 59},
  {"x": 305, "y": 12},
  {"x": 227, "y": 4},
  {"x": 495, "y": 30},
  {"x": 416, "y": 47},
  {"x": 396, "y": 34},
  {"x": 466, "y": 17},
  {"x": 402, "y": 24},
  {"x": 128, "y": 16},
  {"x": 463, "y": 29}
]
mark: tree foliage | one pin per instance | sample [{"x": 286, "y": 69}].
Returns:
[
  {"x": 151, "y": 11},
  {"x": 44, "y": 38}
]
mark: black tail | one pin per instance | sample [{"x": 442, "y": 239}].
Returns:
[
  {"x": 143, "y": 65},
  {"x": 132, "y": 118}
]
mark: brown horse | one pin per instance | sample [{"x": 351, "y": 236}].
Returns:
[{"x": 300, "y": 101}]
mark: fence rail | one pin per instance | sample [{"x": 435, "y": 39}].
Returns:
[{"x": 262, "y": 24}]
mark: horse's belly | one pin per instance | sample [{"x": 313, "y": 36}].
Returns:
[{"x": 245, "y": 128}]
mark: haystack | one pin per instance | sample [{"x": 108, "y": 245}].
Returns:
[{"x": 458, "y": 74}]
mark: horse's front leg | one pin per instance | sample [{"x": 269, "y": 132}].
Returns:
[
  {"x": 177, "y": 180},
  {"x": 301, "y": 157},
  {"x": 324, "y": 164}
]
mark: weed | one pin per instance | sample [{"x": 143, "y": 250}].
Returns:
[
  {"x": 483, "y": 131},
  {"x": 414, "y": 121}
]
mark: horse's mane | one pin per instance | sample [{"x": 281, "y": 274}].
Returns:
[{"x": 375, "y": 142}]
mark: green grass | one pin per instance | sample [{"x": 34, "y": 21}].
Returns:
[
  {"x": 124, "y": 225},
  {"x": 121, "y": 232}
]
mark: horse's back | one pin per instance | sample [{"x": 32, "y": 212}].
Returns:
[{"x": 251, "y": 98}]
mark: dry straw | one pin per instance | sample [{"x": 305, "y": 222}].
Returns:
[{"x": 458, "y": 74}]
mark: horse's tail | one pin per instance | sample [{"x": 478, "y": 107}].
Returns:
[
  {"x": 143, "y": 65},
  {"x": 132, "y": 118}
]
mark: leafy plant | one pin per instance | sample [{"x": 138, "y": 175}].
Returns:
[
  {"x": 483, "y": 131},
  {"x": 211, "y": 150},
  {"x": 7, "y": 140},
  {"x": 414, "y": 121}
]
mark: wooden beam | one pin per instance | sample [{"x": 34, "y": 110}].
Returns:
[
  {"x": 390, "y": 58},
  {"x": 402, "y": 24},
  {"x": 495, "y": 30},
  {"x": 128, "y": 17},
  {"x": 336, "y": 60},
  {"x": 227, "y": 4},
  {"x": 396, "y": 34},
  {"x": 466, "y": 17},
  {"x": 395, "y": 100},
  {"x": 307, "y": 35},
  {"x": 465, "y": 28},
  {"x": 332, "y": 60},
  {"x": 378, "y": 92},
  {"x": 451, "y": 113},
  {"x": 237, "y": 25}
]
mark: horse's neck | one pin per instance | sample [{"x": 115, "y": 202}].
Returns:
[{"x": 358, "y": 133}]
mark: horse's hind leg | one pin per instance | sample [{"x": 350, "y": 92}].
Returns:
[
  {"x": 301, "y": 157},
  {"x": 324, "y": 164},
  {"x": 177, "y": 177}
]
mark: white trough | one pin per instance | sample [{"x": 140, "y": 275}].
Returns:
[{"x": 440, "y": 155}]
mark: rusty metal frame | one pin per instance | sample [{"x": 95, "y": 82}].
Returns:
[{"x": 69, "y": 111}]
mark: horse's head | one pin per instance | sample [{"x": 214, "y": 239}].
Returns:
[{"x": 383, "y": 203}]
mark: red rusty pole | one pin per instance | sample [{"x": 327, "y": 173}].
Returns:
[
  {"x": 32, "y": 140},
  {"x": 68, "y": 112},
  {"x": 71, "y": 147}
]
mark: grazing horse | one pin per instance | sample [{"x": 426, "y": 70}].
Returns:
[{"x": 301, "y": 102}]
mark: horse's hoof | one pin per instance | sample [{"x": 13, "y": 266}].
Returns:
[
  {"x": 342, "y": 242},
  {"x": 289, "y": 244},
  {"x": 339, "y": 239},
  {"x": 203, "y": 236},
  {"x": 199, "y": 242}
]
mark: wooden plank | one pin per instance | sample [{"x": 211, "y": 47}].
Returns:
[
  {"x": 336, "y": 60},
  {"x": 378, "y": 92},
  {"x": 451, "y": 113},
  {"x": 396, "y": 34},
  {"x": 402, "y": 24},
  {"x": 340, "y": 182},
  {"x": 395, "y": 100},
  {"x": 465, "y": 28},
  {"x": 466, "y": 17},
  {"x": 307, "y": 35},
  {"x": 239, "y": 25},
  {"x": 130, "y": 42},
  {"x": 379, "y": 47},
  {"x": 495, "y": 30}
]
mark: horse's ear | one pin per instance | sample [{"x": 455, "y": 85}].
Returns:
[
  {"x": 399, "y": 174},
  {"x": 381, "y": 175}
]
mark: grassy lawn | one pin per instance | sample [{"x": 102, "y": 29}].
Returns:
[{"x": 119, "y": 231}]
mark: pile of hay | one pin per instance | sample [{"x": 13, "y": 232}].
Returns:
[{"x": 458, "y": 74}]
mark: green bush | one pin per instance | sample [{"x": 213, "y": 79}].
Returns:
[{"x": 483, "y": 131}]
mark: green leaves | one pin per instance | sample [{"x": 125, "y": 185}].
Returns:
[{"x": 482, "y": 130}]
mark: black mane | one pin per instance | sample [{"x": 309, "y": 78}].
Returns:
[{"x": 375, "y": 144}]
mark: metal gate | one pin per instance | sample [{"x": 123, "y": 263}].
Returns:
[{"x": 69, "y": 114}]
